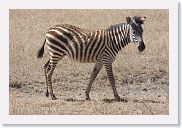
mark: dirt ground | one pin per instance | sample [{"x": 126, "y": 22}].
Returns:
[{"x": 141, "y": 78}]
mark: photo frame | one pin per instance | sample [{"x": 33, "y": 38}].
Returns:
[{"x": 172, "y": 118}]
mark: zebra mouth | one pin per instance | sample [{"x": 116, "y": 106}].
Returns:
[{"x": 141, "y": 47}]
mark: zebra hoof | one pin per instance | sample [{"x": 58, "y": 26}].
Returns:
[
  {"x": 54, "y": 97},
  {"x": 47, "y": 94},
  {"x": 88, "y": 98}
]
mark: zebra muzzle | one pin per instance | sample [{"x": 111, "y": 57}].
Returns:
[{"x": 141, "y": 47}]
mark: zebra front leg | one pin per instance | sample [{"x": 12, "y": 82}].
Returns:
[
  {"x": 109, "y": 71},
  {"x": 95, "y": 72}
]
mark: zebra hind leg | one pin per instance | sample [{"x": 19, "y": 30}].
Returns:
[
  {"x": 50, "y": 69},
  {"x": 95, "y": 72},
  {"x": 46, "y": 69}
]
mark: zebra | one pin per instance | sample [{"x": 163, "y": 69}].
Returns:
[{"x": 90, "y": 46}]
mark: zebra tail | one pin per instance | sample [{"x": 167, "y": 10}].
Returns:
[{"x": 41, "y": 51}]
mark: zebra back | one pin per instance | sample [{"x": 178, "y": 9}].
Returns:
[{"x": 85, "y": 45}]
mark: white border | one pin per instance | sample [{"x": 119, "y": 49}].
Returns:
[{"x": 172, "y": 118}]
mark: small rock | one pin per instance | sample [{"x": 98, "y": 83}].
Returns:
[{"x": 145, "y": 90}]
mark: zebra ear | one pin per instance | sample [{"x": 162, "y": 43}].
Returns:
[{"x": 128, "y": 20}]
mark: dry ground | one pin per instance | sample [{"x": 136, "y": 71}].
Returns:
[{"x": 142, "y": 78}]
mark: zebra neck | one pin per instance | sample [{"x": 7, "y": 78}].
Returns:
[{"x": 119, "y": 41}]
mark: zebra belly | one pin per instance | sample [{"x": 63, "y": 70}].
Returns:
[{"x": 82, "y": 58}]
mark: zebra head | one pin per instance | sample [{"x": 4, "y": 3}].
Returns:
[{"x": 136, "y": 31}]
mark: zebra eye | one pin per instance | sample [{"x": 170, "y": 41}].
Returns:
[{"x": 134, "y": 32}]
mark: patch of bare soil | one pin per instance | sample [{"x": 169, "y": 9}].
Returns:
[{"x": 145, "y": 94}]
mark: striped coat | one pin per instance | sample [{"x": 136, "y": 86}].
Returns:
[{"x": 90, "y": 46}]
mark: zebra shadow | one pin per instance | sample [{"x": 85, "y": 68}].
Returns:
[
  {"x": 115, "y": 100},
  {"x": 104, "y": 100},
  {"x": 74, "y": 100}
]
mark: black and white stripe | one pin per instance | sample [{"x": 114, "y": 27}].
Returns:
[{"x": 88, "y": 46}]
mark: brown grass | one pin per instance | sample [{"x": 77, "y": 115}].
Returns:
[{"x": 142, "y": 78}]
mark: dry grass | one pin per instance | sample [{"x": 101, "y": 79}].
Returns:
[{"x": 142, "y": 78}]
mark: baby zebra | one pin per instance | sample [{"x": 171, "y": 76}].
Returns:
[{"x": 90, "y": 46}]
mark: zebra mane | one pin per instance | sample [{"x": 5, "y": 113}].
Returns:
[{"x": 116, "y": 25}]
